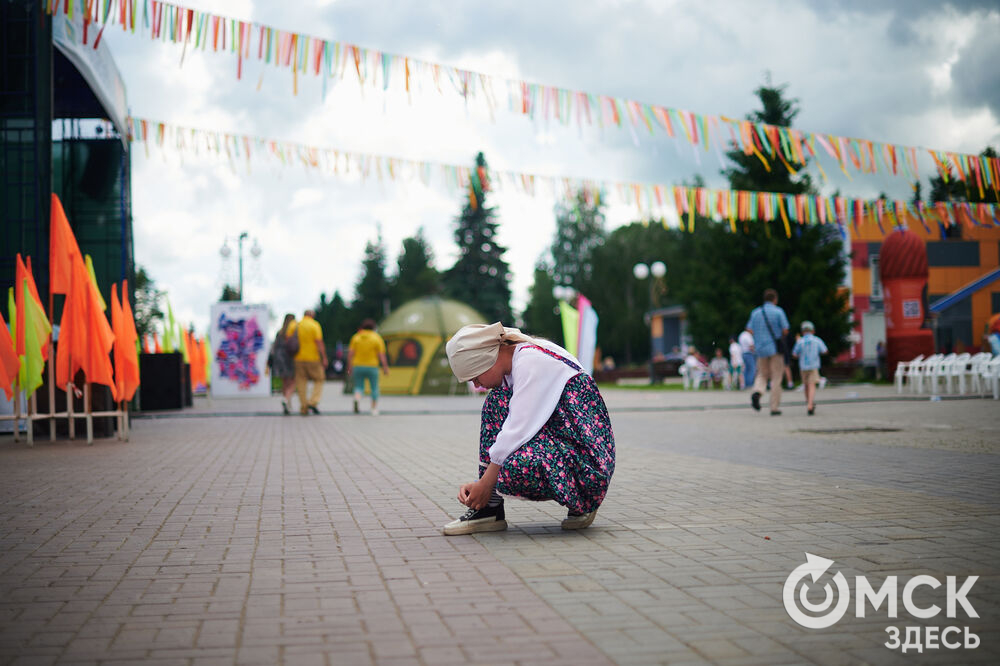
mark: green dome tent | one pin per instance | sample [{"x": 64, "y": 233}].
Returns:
[{"x": 415, "y": 334}]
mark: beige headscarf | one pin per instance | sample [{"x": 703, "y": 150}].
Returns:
[{"x": 474, "y": 348}]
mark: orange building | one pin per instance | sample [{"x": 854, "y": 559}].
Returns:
[{"x": 963, "y": 287}]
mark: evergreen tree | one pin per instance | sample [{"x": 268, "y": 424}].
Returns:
[
  {"x": 749, "y": 172},
  {"x": 541, "y": 316},
  {"x": 480, "y": 277},
  {"x": 415, "y": 273},
  {"x": 579, "y": 229},
  {"x": 371, "y": 294}
]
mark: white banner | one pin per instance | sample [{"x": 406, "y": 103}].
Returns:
[{"x": 239, "y": 350}]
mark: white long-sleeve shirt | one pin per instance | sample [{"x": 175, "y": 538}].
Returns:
[{"x": 537, "y": 381}]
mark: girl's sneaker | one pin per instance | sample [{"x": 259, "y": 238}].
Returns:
[
  {"x": 578, "y": 522},
  {"x": 487, "y": 519}
]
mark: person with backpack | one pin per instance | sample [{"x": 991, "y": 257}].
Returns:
[
  {"x": 769, "y": 326},
  {"x": 283, "y": 351}
]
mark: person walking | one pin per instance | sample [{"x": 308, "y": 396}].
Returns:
[
  {"x": 808, "y": 349},
  {"x": 736, "y": 364},
  {"x": 365, "y": 353},
  {"x": 769, "y": 325},
  {"x": 310, "y": 362},
  {"x": 283, "y": 350},
  {"x": 545, "y": 432},
  {"x": 749, "y": 361}
]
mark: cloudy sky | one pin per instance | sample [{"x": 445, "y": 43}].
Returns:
[{"x": 916, "y": 73}]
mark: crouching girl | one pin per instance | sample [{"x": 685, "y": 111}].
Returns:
[{"x": 545, "y": 433}]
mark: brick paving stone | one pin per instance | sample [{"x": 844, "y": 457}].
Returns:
[{"x": 253, "y": 538}]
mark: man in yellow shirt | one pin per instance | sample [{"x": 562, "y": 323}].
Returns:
[
  {"x": 310, "y": 362},
  {"x": 364, "y": 355}
]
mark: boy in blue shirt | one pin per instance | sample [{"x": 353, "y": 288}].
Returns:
[{"x": 807, "y": 350}]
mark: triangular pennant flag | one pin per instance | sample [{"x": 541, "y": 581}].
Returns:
[
  {"x": 62, "y": 249},
  {"x": 36, "y": 332}
]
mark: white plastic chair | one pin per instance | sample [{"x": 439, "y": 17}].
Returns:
[
  {"x": 694, "y": 377},
  {"x": 939, "y": 374},
  {"x": 903, "y": 370},
  {"x": 921, "y": 370},
  {"x": 973, "y": 370},
  {"x": 956, "y": 372},
  {"x": 991, "y": 377}
]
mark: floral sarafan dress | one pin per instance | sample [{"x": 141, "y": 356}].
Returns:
[{"x": 570, "y": 460}]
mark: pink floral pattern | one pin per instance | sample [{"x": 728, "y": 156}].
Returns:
[{"x": 572, "y": 457}]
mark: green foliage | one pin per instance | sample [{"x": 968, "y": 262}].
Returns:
[
  {"x": 229, "y": 293},
  {"x": 336, "y": 319},
  {"x": 480, "y": 277},
  {"x": 147, "y": 303},
  {"x": 415, "y": 273},
  {"x": 371, "y": 293},
  {"x": 541, "y": 316}
]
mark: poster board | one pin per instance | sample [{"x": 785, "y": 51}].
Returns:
[{"x": 239, "y": 350}]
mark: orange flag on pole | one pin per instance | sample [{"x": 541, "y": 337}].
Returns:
[
  {"x": 10, "y": 364},
  {"x": 126, "y": 357},
  {"x": 62, "y": 250},
  {"x": 100, "y": 339},
  {"x": 72, "y": 349}
]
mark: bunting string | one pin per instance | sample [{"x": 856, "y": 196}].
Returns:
[
  {"x": 332, "y": 60},
  {"x": 650, "y": 199}
]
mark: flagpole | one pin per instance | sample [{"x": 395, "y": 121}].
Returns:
[
  {"x": 17, "y": 407},
  {"x": 32, "y": 407},
  {"x": 70, "y": 399},
  {"x": 89, "y": 416},
  {"x": 51, "y": 368}
]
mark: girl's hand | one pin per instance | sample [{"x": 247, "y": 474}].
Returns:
[{"x": 475, "y": 495}]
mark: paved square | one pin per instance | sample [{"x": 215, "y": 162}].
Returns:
[{"x": 230, "y": 534}]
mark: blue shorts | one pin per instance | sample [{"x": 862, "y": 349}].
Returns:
[{"x": 363, "y": 372}]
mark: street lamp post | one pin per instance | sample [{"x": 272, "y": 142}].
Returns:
[
  {"x": 239, "y": 253},
  {"x": 657, "y": 269},
  {"x": 642, "y": 271},
  {"x": 254, "y": 251}
]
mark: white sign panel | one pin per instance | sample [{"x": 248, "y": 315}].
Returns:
[{"x": 239, "y": 350}]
